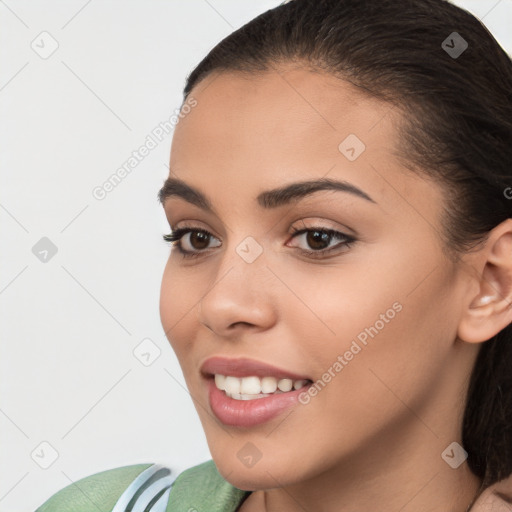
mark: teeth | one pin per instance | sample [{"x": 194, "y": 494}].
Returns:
[
  {"x": 232, "y": 385},
  {"x": 250, "y": 388},
  {"x": 241, "y": 396},
  {"x": 285, "y": 384},
  {"x": 299, "y": 384},
  {"x": 268, "y": 384},
  {"x": 219, "y": 381}
]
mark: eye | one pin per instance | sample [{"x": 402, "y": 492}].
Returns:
[
  {"x": 193, "y": 245},
  {"x": 319, "y": 239}
]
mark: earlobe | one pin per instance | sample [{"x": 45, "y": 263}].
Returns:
[{"x": 490, "y": 310}]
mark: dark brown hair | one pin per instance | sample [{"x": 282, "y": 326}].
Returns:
[{"x": 455, "y": 128}]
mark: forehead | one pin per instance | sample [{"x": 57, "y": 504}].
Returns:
[
  {"x": 288, "y": 106},
  {"x": 262, "y": 130}
]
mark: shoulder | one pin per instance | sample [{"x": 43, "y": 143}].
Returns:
[{"x": 115, "y": 490}]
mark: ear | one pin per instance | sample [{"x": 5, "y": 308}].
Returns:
[{"x": 490, "y": 310}]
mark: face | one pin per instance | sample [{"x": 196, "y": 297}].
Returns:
[{"x": 343, "y": 291}]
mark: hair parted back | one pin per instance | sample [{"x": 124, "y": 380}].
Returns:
[{"x": 455, "y": 128}]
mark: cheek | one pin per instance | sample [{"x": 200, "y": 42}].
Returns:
[
  {"x": 392, "y": 327},
  {"x": 178, "y": 307},
  {"x": 335, "y": 305},
  {"x": 396, "y": 363}
]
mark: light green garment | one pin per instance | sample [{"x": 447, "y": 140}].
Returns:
[
  {"x": 97, "y": 492},
  {"x": 202, "y": 489},
  {"x": 139, "y": 487}
]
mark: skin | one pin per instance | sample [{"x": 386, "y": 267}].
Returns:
[{"x": 373, "y": 437}]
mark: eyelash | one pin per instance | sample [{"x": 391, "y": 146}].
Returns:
[{"x": 175, "y": 239}]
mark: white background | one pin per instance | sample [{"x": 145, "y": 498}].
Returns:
[{"x": 69, "y": 326}]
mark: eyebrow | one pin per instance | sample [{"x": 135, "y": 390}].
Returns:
[{"x": 268, "y": 199}]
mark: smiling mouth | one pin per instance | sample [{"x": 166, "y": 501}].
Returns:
[
  {"x": 245, "y": 393},
  {"x": 254, "y": 388}
]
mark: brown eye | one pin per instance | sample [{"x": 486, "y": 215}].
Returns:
[
  {"x": 190, "y": 241},
  {"x": 318, "y": 241},
  {"x": 199, "y": 240}
]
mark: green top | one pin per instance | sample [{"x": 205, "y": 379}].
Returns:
[
  {"x": 149, "y": 488},
  {"x": 202, "y": 489}
]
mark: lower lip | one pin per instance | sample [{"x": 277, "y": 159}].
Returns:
[{"x": 249, "y": 413}]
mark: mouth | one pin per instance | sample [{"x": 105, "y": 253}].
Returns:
[{"x": 245, "y": 393}]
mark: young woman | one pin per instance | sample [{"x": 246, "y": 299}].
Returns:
[{"x": 338, "y": 291}]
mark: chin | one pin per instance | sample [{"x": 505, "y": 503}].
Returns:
[
  {"x": 264, "y": 474},
  {"x": 252, "y": 479}
]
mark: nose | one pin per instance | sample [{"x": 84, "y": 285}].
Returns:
[{"x": 240, "y": 297}]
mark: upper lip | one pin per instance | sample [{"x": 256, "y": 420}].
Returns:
[{"x": 244, "y": 367}]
